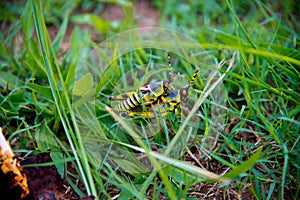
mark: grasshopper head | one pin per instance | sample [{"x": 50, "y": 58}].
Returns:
[{"x": 184, "y": 92}]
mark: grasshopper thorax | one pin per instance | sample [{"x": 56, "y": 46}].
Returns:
[{"x": 159, "y": 88}]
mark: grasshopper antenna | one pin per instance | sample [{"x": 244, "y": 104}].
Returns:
[
  {"x": 193, "y": 78},
  {"x": 171, "y": 76}
]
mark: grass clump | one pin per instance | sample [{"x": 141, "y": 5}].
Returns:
[{"x": 54, "y": 98}]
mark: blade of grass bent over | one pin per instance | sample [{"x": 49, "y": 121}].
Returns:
[
  {"x": 198, "y": 103},
  {"x": 145, "y": 150}
]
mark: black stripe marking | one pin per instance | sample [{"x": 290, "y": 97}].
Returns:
[
  {"x": 137, "y": 99},
  {"x": 126, "y": 105},
  {"x": 132, "y": 101},
  {"x": 129, "y": 103}
]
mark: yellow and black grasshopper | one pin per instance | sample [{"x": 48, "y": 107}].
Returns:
[
  {"x": 145, "y": 95},
  {"x": 166, "y": 103},
  {"x": 140, "y": 102}
]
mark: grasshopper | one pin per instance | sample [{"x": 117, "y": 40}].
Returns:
[
  {"x": 146, "y": 94},
  {"x": 166, "y": 103}
]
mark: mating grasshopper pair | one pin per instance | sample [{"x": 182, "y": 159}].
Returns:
[{"x": 154, "y": 95}]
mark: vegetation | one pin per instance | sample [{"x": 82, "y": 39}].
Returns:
[{"x": 55, "y": 77}]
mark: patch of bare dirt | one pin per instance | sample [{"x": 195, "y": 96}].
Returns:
[
  {"x": 44, "y": 181},
  {"x": 143, "y": 13}
]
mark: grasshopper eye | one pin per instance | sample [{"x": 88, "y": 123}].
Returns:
[{"x": 183, "y": 94}]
